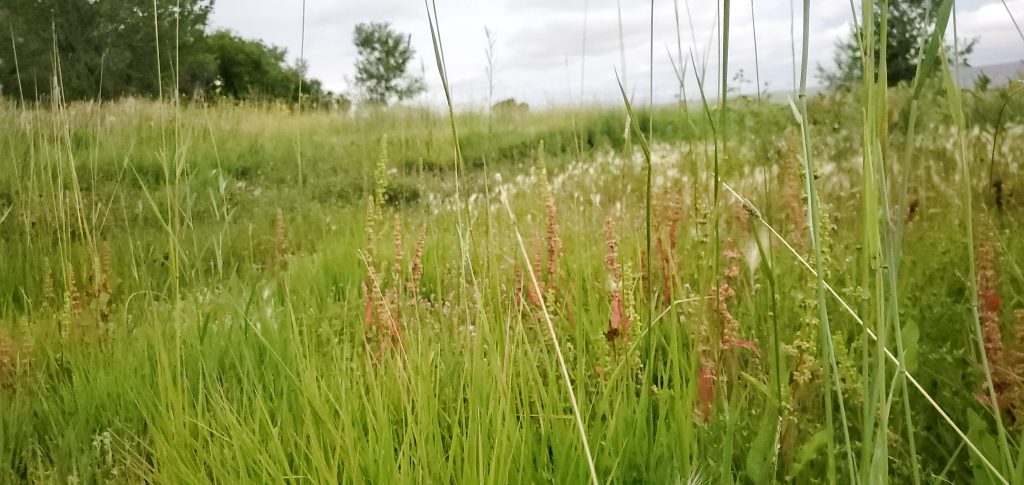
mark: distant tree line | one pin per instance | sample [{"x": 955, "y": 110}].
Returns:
[{"x": 104, "y": 49}]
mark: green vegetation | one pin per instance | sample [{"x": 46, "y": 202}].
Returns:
[
  {"x": 908, "y": 23},
  {"x": 829, "y": 291},
  {"x": 382, "y": 69},
  {"x": 251, "y": 70},
  {"x": 184, "y": 310},
  {"x": 110, "y": 49}
]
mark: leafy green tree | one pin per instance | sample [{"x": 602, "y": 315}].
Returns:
[
  {"x": 111, "y": 48},
  {"x": 909, "y": 24},
  {"x": 382, "y": 69},
  {"x": 105, "y": 48},
  {"x": 250, "y": 69}
]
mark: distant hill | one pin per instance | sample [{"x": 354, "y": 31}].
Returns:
[{"x": 1001, "y": 74}]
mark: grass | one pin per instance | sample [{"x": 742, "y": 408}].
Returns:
[{"x": 751, "y": 292}]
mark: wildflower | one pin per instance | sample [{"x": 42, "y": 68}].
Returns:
[
  {"x": 989, "y": 303},
  {"x": 48, "y": 287},
  {"x": 368, "y": 311},
  {"x": 552, "y": 241},
  {"x": 619, "y": 322},
  {"x": 707, "y": 381},
  {"x": 1004, "y": 383},
  {"x": 396, "y": 269},
  {"x": 1015, "y": 368},
  {"x": 372, "y": 219},
  {"x": 15, "y": 355},
  {"x": 416, "y": 268}
]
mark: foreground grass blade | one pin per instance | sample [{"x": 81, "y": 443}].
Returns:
[
  {"x": 567, "y": 380},
  {"x": 892, "y": 357}
]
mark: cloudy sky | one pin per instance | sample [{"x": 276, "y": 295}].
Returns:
[{"x": 539, "y": 44}]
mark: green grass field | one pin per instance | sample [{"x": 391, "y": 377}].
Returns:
[
  {"x": 181, "y": 305},
  {"x": 824, "y": 290}
]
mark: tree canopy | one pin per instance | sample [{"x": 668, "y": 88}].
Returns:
[
  {"x": 382, "y": 68},
  {"x": 113, "y": 48},
  {"x": 247, "y": 69}
]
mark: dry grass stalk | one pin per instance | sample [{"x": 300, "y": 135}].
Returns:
[
  {"x": 106, "y": 262},
  {"x": 372, "y": 219},
  {"x": 396, "y": 236},
  {"x": 1015, "y": 357},
  {"x": 665, "y": 245},
  {"x": 547, "y": 251},
  {"x": 551, "y": 239},
  {"x": 532, "y": 294},
  {"x": 281, "y": 245},
  {"x": 792, "y": 192},
  {"x": 72, "y": 306},
  {"x": 14, "y": 356},
  {"x": 725, "y": 293},
  {"x": 728, "y": 338},
  {"x": 49, "y": 293},
  {"x": 381, "y": 324},
  {"x": 1015, "y": 367},
  {"x": 104, "y": 283},
  {"x": 667, "y": 274},
  {"x": 380, "y": 327},
  {"x": 1005, "y": 366},
  {"x": 989, "y": 302},
  {"x": 619, "y": 322},
  {"x": 707, "y": 383},
  {"x": 518, "y": 284},
  {"x": 416, "y": 266}
]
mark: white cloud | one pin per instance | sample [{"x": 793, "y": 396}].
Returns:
[{"x": 540, "y": 42}]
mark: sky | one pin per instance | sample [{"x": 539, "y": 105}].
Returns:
[{"x": 550, "y": 52}]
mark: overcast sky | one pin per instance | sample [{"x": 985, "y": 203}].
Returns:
[{"x": 540, "y": 43}]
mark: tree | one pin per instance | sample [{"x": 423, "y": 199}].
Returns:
[
  {"x": 509, "y": 107},
  {"x": 109, "y": 49},
  {"x": 382, "y": 66},
  {"x": 106, "y": 48},
  {"x": 250, "y": 69},
  {"x": 909, "y": 24}
]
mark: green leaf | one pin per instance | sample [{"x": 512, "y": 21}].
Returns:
[
  {"x": 762, "y": 450},
  {"x": 809, "y": 451},
  {"x": 980, "y": 434}
]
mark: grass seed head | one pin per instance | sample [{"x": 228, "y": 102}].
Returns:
[
  {"x": 397, "y": 240},
  {"x": 72, "y": 305},
  {"x": 281, "y": 246},
  {"x": 551, "y": 239},
  {"x": 14, "y": 356},
  {"x": 611, "y": 260},
  {"x": 989, "y": 302},
  {"x": 620, "y": 319},
  {"x": 49, "y": 294},
  {"x": 416, "y": 267}
]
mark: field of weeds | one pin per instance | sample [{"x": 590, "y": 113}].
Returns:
[
  {"x": 187, "y": 300},
  {"x": 826, "y": 289}
]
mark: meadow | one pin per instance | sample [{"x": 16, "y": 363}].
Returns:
[
  {"x": 189, "y": 299},
  {"x": 827, "y": 289}
]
